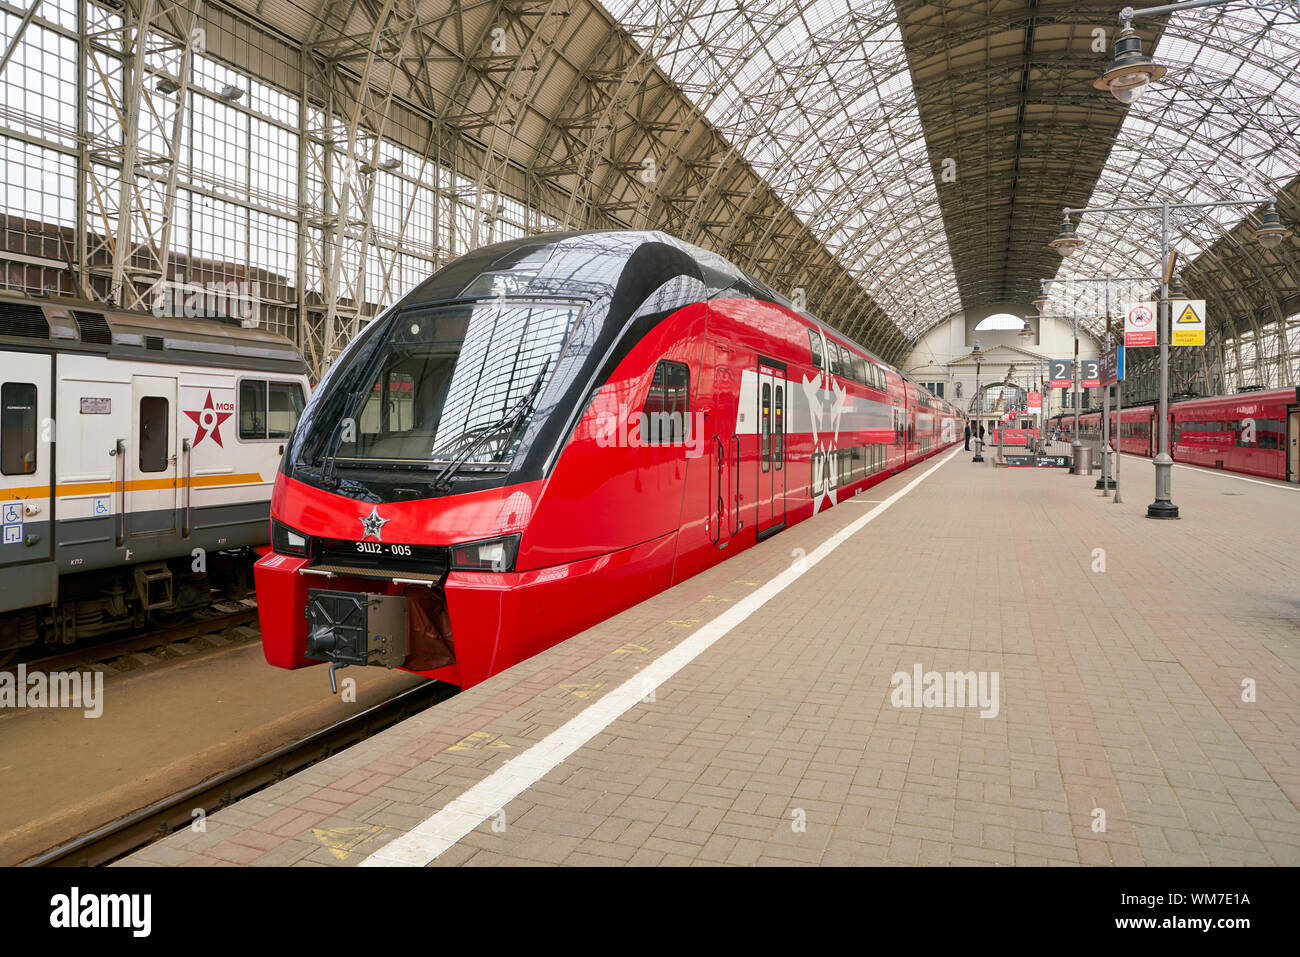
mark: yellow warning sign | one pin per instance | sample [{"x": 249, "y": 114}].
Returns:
[
  {"x": 1189, "y": 322},
  {"x": 582, "y": 690},
  {"x": 478, "y": 741},
  {"x": 342, "y": 841},
  {"x": 631, "y": 648}
]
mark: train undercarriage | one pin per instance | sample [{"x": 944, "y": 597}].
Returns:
[{"x": 96, "y": 603}]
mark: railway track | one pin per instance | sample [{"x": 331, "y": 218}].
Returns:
[
  {"x": 223, "y": 616},
  {"x": 140, "y": 828}
]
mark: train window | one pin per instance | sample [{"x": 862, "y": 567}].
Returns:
[
  {"x": 154, "y": 416},
  {"x": 845, "y": 364},
  {"x": 815, "y": 346},
  {"x": 252, "y": 409},
  {"x": 860, "y": 369},
  {"x": 18, "y": 428},
  {"x": 270, "y": 410},
  {"x": 778, "y": 427},
  {"x": 284, "y": 405},
  {"x": 765, "y": 415},
  {"x": 667, "y": 404}
]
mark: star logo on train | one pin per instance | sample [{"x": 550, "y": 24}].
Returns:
[
  {"x": 208, "y": 420},
  {"x": 373, "y": 524}
]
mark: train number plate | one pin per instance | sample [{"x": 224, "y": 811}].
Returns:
[{"x": 432, "y": 559}]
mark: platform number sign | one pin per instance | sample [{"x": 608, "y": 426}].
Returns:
[
  {"x": 1090, "y": 373},
  {"x": 1188, "y": 322},
  {"x": 1060, "y": 373}
]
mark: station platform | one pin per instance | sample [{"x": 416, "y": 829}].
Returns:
[{"x": 755, "y": 714}]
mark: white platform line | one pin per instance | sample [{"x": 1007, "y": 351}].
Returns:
[
  {"x": 442, "y": 830},
  {"x": 1285, "y": 487}
]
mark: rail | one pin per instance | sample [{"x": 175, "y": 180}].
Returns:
[{"x": 140, "y": 828}]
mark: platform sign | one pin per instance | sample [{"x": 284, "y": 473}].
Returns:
[
  {"x": 1034, "y": 403},
  {"x": 1060, "y": 373},
  {"x": 1090, "y": 371},
  {"x": 1140, "y": 324},
  {"x": 1189, "y": 322},
  {"x": 1112, "y": 366}
]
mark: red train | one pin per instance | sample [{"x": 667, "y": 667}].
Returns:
[
  {"x": 550, "y": 430},
  {"x": 1255, "y": 433}
]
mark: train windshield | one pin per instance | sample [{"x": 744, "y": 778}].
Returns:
[{"x": 454, "y": 383}]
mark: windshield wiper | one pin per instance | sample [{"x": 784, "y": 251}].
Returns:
[{"x": 508, "y": 423}]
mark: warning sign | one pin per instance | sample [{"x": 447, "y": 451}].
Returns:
[
  {"x": 1140, "y": 324},
  {"x": 1189, "y": 322}
]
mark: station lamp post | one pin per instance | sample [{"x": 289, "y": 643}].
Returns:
[
  {"x": 979, "y": 406},
  {"x": 1269, "y": 234}
]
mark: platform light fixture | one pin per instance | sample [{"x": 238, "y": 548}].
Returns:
[
  {"x": 1067, "y": 241},
  {"x": 1271, "y": 232},
  {"x": 231, "y": 93},
  {"x": 1131, "y": 72}
]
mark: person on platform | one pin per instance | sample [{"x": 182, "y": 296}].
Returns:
[
  {"x": 981, "y": 433},
  {"x": 967, "y": 436}
]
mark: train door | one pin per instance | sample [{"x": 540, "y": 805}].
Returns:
[
  {"x": 26, "y": 459},
  {"x": 148, "y": 465},
  {"x": 771, "y": 446},
  {"x": 1293, "y": 444},
  {"x": 719, "y": 390}
]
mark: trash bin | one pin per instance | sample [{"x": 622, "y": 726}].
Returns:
[{"x": 1084, "y": 465}]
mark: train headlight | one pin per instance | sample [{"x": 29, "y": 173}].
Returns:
[
  {"x": 288, "y": 541},
  {"x": 490, "y": 555}
]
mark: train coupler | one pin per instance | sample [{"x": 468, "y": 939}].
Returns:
[{"x": 356, "y": 628}]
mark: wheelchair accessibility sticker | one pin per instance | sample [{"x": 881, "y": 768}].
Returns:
[{"x": 13, "y": 524}]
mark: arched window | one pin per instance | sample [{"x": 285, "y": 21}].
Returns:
[{"x": 1001, "y": 321}]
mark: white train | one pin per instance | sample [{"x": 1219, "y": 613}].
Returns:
[{"x": 137, "y": 456}]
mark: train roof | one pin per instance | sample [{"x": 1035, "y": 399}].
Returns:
[
  {"x": 589, "y": 264},
  {"x": 74, "y": 326}
]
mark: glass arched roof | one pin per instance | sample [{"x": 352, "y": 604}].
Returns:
[
  {"x": 833, "y": 103},
  {"x": 818, "y": 99}
]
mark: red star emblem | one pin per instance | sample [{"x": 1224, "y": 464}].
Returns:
[{"x": 208, "y": 421}]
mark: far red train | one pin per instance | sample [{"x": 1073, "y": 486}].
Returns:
[
  {"x": 550, "y": 430},
  {"x": 1254, "y": 433}
]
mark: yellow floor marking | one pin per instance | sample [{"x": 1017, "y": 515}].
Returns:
[
  {"x": 479, "y": 741},
  {"x": 582, "y": 690},
  {"x": 716, "y": 598},
  {"x": 342, "y": 841},
  {"x": 684, "y": 622},
  {"x": 746, "y": 581},
  {"x": 632, "y": 649}
]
